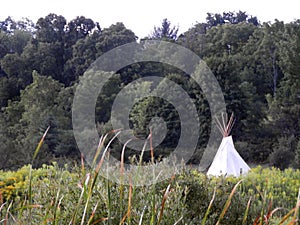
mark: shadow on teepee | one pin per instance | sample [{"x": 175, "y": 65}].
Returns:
[{"x": 227, "y": 161}]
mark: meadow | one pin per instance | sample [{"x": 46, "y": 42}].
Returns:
[{"x": 80, "y": 194}]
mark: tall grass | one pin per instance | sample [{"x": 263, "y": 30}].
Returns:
[
  {"x": 228, "y": 202},
  {"x": 30, "y": 172},
  {"x": 83, "y": 196}
]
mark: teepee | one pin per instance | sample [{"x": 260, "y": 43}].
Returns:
[{"x": 227, "y": 160}]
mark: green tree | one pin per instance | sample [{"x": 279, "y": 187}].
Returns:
[
  {"x": 164, "y": 32},
  {"x": 86, "y": 50},
  {"x": 195, "y": 39},
  {"x": 4, "y": 44},
  {"x": 83, "y": 54},
  {"x": 15, "y": 79},
  {"x": 10, "y": 127},
  {"x": 46, "y": 58},
  {"x": 18, "y": 40},
  {"x": 8, "y": 25},
  {"x": 51, "y": 29},
  {"x": 79, "y": 28},
  {"x": 114, "y": 36},
  {"x": 65, "y": 144},
  {"x": 296, "y": 162},
  {"x": 285, "y": 104},
  {"x": 38, "y": 100},
  {"x": 283, "y": 153},
  {"x": 223, "y": 57},
  {"x": 6, "y": 143},
  {"x": 45, "y": 102},
  {"x": 214, "y": 19}
]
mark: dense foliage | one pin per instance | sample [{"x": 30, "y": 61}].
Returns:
[
  {"x": 256, "y": 64},
  {"x": 184, "y": 198}
]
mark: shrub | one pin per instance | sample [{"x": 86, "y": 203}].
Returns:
[{"x": 282, "y": 155}]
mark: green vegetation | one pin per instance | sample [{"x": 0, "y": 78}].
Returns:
[
  {"x": 62, "y": 195},
  {"x": 256, "y": 64},
  {"x": 81, "y": 195}
]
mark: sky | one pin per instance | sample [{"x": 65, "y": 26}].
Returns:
[{"x": 141, "y": 16}]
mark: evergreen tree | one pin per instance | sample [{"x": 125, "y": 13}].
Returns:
[{"x": 164, "y": 32}]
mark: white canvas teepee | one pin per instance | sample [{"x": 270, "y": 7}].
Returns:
[{"x": 227, "y": 160}]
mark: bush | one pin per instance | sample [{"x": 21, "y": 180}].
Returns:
[
  {"x": 296, "y": 163},
  {"x": 283, "y": 155}
]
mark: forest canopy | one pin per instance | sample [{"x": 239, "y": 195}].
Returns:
[{"x": 256, "y": 64}]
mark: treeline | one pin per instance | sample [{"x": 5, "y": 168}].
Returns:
[{"x": 257, "y": 66}]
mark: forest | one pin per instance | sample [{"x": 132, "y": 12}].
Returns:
[{"x": 256, "y": 64}]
